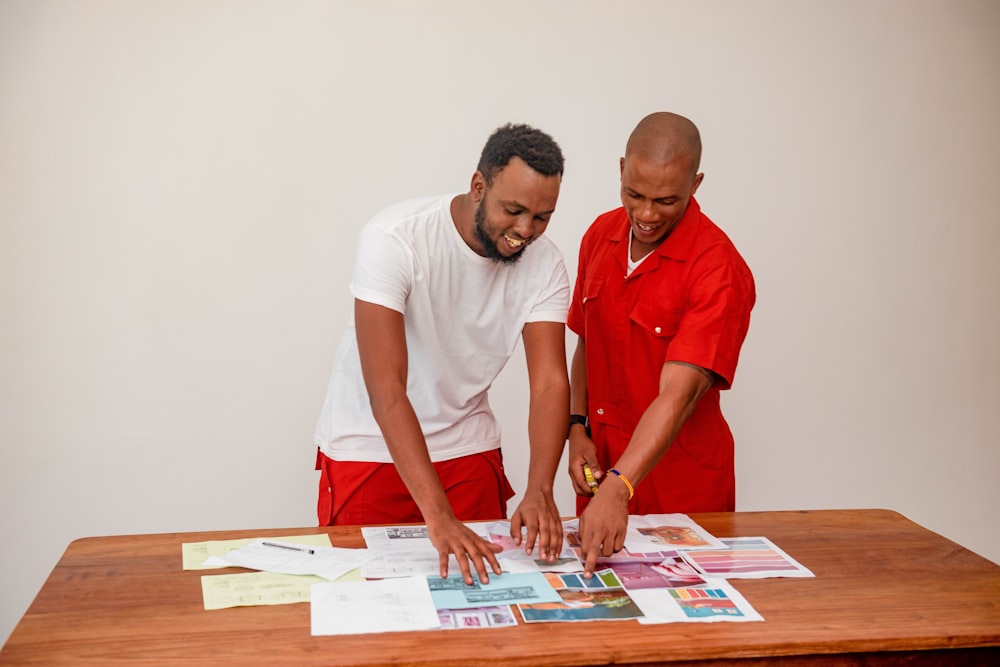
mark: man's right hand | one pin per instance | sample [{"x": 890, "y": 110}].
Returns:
[{"x": 451, "y": 536}]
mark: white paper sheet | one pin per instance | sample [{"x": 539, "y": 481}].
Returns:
[
  {"x": 408, "y": 538},
  {"x": 659, "y": 532},
  {"x": 270, "y": 555},
  {"x": 712, "y": 602},
  {"x": 358, "y": 607},
  {"x": 746, "y": 558},
  {"x": 513, "y": 558}
]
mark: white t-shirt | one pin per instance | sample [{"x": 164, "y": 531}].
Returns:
[{"x": 463, "y": 315}]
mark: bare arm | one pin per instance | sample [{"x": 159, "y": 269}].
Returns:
[
  {"x": 581, "y": 448},
  {"x": 548, "y": 414},
  {"x": 603, "y": 523},
  {"x": 381, "y": 338}
]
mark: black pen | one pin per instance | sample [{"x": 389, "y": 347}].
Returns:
[{"x": 290, "y": 548}]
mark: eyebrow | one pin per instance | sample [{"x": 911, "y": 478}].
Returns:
[
  {"x": 639, "y": 194},
  {"x": 513, "y": 203}
]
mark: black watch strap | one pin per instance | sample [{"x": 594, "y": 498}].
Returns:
[{"x": 579, "y": 419}]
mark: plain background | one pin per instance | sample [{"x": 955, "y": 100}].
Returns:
[{"x": 182, "y": 184}]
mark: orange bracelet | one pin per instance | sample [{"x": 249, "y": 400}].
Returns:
[{"x": 624, "y": 479}]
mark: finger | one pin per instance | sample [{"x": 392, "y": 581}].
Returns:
[
  {"x": 549, "y": 538},
  {"x": 515, "y": 528},
  {"x": 443, "y": 563},
  {"x": 477, "y": 562},
  {"x": 608, "y": 547},
  {"x": 590, "y": 563},
  {"x": 529, "y": 543},
  {"x": 492, "y": 559},
  {"x": 577, "y": 479},
  {"x": 463, "y": 565},
  {"x": 619, "y": 542},
  {"x": 584, "y": 478},
  {"x": 556, "y": 540}
]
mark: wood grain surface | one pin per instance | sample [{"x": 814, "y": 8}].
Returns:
[{"x": 886, "y": 591}]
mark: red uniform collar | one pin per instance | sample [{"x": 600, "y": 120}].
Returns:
[{"x": 679, "y": 241}]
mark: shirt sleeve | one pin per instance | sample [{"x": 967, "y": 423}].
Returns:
[
  {"x": 714, "y": 326},
  {"x": 383, "y": 271},
  {"x": 575, "y": 318},
  {"x": 553, "y": 299}
]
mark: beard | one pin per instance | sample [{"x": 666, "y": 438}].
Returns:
[{"x": 490, "y": 248}]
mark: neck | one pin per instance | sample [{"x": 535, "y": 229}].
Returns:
[{"x": 463, "y": 216}]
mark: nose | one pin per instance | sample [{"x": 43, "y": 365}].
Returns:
[
  {"x": 523, "y": 226},
  {"x": 645, "y": 212}
]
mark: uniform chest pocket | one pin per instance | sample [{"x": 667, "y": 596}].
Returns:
[
  {"x": 591, "y": 290},
  {"x": 657, "y": 322}
]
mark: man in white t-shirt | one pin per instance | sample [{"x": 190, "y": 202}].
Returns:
[{"x": 444, "y": 287}]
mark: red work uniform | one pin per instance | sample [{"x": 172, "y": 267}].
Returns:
[{"x": 688, "y": 301}]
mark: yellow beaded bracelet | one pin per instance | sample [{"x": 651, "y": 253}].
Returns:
[{"x": 624, "y": 479}]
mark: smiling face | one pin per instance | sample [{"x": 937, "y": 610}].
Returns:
[
  {"x": 655, "y": 196},
  {"x": 512, "y": 211}
]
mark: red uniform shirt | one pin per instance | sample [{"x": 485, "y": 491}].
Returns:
[{"x": 688, "y": 301}]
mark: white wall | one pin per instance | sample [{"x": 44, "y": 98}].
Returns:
[{"x": 181, "y": 186}]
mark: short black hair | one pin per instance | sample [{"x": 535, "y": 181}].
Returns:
[{"x": 537, "y": 149}]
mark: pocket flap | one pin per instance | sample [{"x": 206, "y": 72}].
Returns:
[{"x": 657, "y": 321}]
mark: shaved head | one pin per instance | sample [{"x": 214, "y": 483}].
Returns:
[{"x": 664, "y": 138}]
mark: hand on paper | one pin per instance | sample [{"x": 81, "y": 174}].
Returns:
[
  {"x": 603, "y": 524},
  {"x": 451, "y": 536},
  {"x": 538, "y": 513}
]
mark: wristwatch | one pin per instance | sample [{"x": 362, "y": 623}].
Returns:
[{"x": 579, "y": 419}]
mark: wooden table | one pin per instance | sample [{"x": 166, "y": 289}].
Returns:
[{"x": 886, "y": 590}]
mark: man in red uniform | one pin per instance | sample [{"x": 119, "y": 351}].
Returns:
[{"x": 661, "y": 306}]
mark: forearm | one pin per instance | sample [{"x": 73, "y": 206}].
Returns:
[
  {"x": 548, "y": 420},
  {"x": 578, "y": 380},
  {"x": 548, "y": 407},
  {"x": 408, "y": 448}
]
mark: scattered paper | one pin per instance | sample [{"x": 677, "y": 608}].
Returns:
[
  {"x": 221, "y": 591},
  {"x": 715, "y": 601},
  {"x": 387, "y": 605},
  {"x": 671, "y": 571},
  {"x": 514, "y": 559},
  {"x": 746, "y": 558},
  {"x": 598, "y": 598},
  {"x": 408, "y": 538},
  {"x": 454, "y": 593},
  {"x": 656, "y": 532},
  {"x": 480, "y": 617},
  {"x": 271, "y": 555},
  {"x": 194, "y": 554},
  {"x": 386, "y": 565}
]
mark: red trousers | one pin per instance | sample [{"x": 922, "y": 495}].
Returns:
[{"x": 361, "y": 493}]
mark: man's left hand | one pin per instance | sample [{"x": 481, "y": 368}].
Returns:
[{"x": 539, "y": 514}]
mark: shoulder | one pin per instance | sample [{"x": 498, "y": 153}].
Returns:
[
  {"x": 605, "y": 232},
  {"x": 608, "y": 223},
  {"x": 410, "y": 212},
  {"x": 543, "y": 250},
  {"x": 712, "y": 242},
  {"x": 609, "y": 226}
]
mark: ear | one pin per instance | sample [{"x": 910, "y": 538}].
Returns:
[
  {"x": 621, "y": 168},
  {"x": 697, "y": 182},
  {"x": 478, "y": 186}
]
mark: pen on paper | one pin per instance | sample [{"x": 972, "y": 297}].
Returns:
[{"x": 290, "y": 548}]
